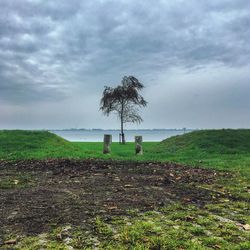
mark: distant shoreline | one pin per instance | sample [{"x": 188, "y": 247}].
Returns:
[{"x": 94, "y": 129}]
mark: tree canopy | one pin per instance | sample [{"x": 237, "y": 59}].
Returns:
[{"x": 124, "y": 100}]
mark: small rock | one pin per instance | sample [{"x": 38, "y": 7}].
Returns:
[{"x": 16, "y": 182}]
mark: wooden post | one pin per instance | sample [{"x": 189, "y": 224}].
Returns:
[
  {"x": 138, "y": 145},
  {"x": 107, "y": 143}
]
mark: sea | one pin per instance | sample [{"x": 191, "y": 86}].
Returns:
[{"x": 96, "y": 135}]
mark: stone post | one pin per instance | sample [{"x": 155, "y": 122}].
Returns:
[
  {"x": 107, "y": 143},
  {"x": 138, "y": 145}
]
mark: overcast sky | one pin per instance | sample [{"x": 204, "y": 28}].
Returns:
[{"x": 57, "y": 55}]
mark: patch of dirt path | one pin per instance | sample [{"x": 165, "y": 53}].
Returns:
[{"x": 76, "y": 191}]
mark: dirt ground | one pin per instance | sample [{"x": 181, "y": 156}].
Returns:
[{"x": 59, "y": 192}]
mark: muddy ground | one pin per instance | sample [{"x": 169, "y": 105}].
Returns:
[{"x": 59, "y": 192}]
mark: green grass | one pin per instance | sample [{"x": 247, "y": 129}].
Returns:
[
  {"x": 218, "y": 149},
  {"x": 20, "y": 144},
  {"x": 172, "y": 227},
  {"x": 216, "y": 226}
]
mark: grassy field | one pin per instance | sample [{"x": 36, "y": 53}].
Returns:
[
  {"x": 222, "y": 222},
  {"x": 218, "y": 149}
]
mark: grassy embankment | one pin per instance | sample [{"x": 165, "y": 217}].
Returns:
[
  {"x": 218, "y": 149},
  {"x": 221, "y": 224}
]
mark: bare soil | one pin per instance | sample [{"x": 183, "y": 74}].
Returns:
[{"x": 60, "y": 192}]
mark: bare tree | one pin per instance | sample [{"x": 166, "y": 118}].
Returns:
[{"x": 125, "y": 101}]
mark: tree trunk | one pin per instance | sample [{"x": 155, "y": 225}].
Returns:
[{"x": 122, "y": 132}]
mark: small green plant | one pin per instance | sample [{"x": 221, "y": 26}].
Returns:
[{"x": 102, "y": 228}]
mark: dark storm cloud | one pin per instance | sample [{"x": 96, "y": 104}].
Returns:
[{"x": 52, "y": 50}]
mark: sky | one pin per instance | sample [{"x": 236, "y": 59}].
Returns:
[{"x": 56, "y": 56}]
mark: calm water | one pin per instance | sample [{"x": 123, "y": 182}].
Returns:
[{"x": 97, "y": 135}]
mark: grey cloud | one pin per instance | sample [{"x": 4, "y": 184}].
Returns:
[
  {"x": 53, "y": 50},
  {"x": 203, "y": 98}
]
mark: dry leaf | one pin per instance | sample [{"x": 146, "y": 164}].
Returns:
[
  {"x": 218, "y": 246},
  {"x": 246, "y": 227},
  {"x": 189, "y": 218},
  {"x": 112, "y": 208},
  {"x": 128, "y": 185},
  {"x": 10, "y": 242}
]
